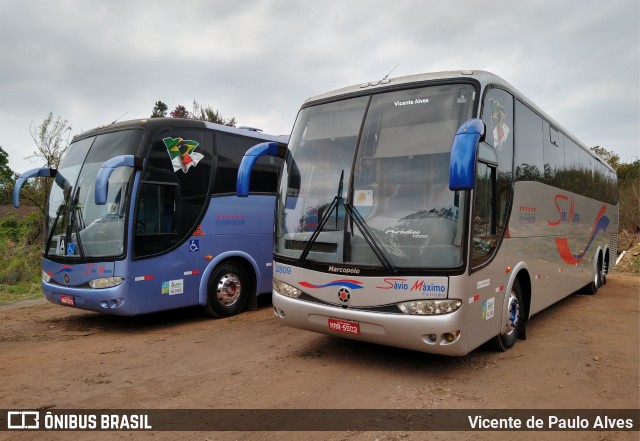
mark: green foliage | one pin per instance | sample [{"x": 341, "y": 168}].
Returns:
[
  {"x": 206, "y": 113},
  {"x": 159, "y": 110},
  {"x": 180, "y": 112},
  {"x": 51, "y": 139},
  {"x": 7, "y": 178},
  {"x": 20, "y": 291},
  {"x": 629, "y": 199},
  {"x": 628, "y": 188},
  {"x": 613, "y": 159},
  {"x": 20, "y": 249},
  {"x": 199, "y": 112}
]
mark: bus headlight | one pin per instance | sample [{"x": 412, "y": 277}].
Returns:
[
  {"x": 430, "y": 307},
  {"x": 105, "y": 282},
  {"x": 286, "y": 290},
  {"x": 45, "y": 277}
]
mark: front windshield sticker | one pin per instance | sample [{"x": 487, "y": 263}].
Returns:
[
  {"x": 182, "y": 153},
  {"x": 500, "y": 129},
  {"x": 411, "y": 102}
]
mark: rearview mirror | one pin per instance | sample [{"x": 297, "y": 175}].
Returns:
[{"x": 462, "y": 166}]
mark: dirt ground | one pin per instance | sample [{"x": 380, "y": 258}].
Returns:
[{"x": 582, "y": 352}]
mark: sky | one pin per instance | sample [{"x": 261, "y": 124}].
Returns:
[{"x": 92, "y": 62}]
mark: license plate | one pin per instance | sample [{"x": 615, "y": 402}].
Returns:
[
  {"x": 344, "y": 326},
  {"x": 67, "y": 300}
]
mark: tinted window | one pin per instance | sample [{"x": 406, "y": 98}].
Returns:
[
  {"x": 553, "y": 156},
  {"x": 485, "y": 233},
  {"x": 587, "y": 167},
  {"x": 497, "y": 115},
  {"x": 174, "y": 189},
  {"x": 572, "y": 172},
  {"x": 230, "y": 151},
  {"x": 529, "y": 162}
]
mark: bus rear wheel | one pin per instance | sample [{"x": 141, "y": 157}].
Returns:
[
  {"x": 227, "y": 290},
  {"x": 597, "y": 281},
  {"x": 505, "y": 341}
]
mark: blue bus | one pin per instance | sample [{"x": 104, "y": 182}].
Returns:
[{"x": 142, "y": 216}]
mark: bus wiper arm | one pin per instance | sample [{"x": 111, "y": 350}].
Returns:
[
  {"x": 76, "y": 221},
  {"x": 370, "y": 239},
  {"x": 325, "y": 217}
]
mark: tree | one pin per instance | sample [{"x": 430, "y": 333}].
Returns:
[
  {"x": 159, "y": 110},
  {"x": 51, "y": 139},
  {"x": 208, "y": 114},
  {"x": 180, "y": 112},
  {"x": 7, "y": 178},
  {"x": 628, "y": 188},
  {"x": 199, "y": 112},
  {"x": 613, "y": 159}
]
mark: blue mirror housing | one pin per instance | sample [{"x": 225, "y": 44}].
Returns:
[
  {"x": 102, "y": 181},
  {"x": 33, "y": 173},
  {"x": 464, "y": 150},
  {"x": 248, "y": 161}
]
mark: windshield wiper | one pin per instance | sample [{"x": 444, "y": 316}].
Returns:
[
  {"x": 76, "y": 221},
  {"x": 369, "y": 238},
  {"x": 323, "y": 220}
]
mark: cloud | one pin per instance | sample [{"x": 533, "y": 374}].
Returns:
[{"x": 259, "y": 60}]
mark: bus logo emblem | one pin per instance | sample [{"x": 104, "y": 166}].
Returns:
[{"x": 344, "y": 295}]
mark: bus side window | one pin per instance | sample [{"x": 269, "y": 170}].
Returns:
[
  {"x": 497, "y": 114},
  {"x": 485, "y": 232},
  {"x": 157, "y": 222}
]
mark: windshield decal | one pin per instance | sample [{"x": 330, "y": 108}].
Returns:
[
  {"x": 411, "y": 102},
  {"x": 182, "y": 153}
]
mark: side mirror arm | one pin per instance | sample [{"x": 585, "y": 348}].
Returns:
[
  {"x": 102, "y": 181},
  {"x": 248, "y": 161},
  {"x": 464, "y": 153},
  {"x": 33, "y": 173}
]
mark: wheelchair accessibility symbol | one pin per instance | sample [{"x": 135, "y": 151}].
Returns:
[{"x": 194, "y": 245}]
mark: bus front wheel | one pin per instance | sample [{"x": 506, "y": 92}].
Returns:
[
  {"x": 506, "y": 340},
  {"x": 227, "y": 291}
]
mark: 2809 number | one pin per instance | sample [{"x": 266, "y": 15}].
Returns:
[{"x": 283, "y": 269}]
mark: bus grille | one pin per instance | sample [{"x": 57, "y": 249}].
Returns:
[{"x": 613, "y": 250}]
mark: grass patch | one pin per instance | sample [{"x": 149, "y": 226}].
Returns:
[{"x": 19, "y": 292}]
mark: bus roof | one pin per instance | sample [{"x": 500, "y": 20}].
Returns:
[
  {"x": 180, "y": 122},
  {"x": 482, "y": 77}
]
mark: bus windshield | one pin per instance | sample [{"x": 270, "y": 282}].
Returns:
[
  {"x": 75, "y": 226},
  {"x": 367, "y": 181}
]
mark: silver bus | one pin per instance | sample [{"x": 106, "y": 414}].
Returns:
[{"x": 434, "y": 212}]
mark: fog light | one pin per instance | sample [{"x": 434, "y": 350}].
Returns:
[
  {"x": 433, "y": 337},
  {"x": 449, "y": 337}
]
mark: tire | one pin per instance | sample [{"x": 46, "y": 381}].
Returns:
[
  {"x": 504, "y": 342},
  {"x": 597, "y": 281},
  {"x": 227, "y": 290},
  {"x": 604, "y": 270}
]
